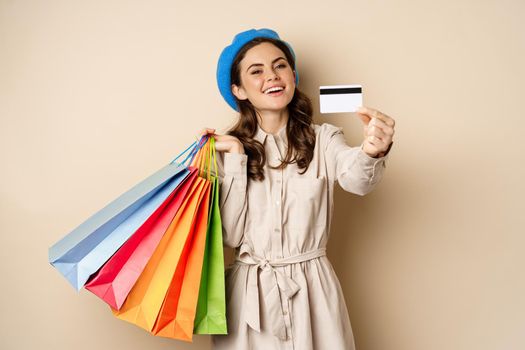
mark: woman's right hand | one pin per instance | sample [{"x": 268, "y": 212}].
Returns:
[{"x": 223, "y": 143}]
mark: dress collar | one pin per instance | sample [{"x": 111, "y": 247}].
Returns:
[{"x": 261, "y": 135}]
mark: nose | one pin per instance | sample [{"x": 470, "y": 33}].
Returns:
[{"x": 272, "y": 75}]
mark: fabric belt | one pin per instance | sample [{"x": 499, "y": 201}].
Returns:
[{"x": 269, "y": 278}]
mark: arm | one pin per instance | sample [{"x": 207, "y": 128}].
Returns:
[
  {"x": 352, "y": 168},
  {"x": 232, "y": 196}
]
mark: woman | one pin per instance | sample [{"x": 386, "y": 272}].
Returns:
[{"x": 277, "y": 172}]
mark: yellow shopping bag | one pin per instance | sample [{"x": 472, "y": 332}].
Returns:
[
  {"x": 177, "y": 315},
  {"x": 145, "y": 299}
]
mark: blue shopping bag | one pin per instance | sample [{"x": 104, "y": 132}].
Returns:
[{"x": 84, "y": 250}]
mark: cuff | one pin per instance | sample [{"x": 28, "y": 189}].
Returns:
[
  {"x": 372, "y": 166},
  {"x": 371, "y": 162}
]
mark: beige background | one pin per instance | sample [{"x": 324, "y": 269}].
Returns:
[{"x": 97, "y": 95}]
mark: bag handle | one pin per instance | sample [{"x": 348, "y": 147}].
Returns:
[
  {"x": 203, "y": 156},
  {"x": 209, "y": 154},
  {"x": 212, "y": 157},
  {"x": 200, "y": 161},
  {"x": 194, "y": 147}
]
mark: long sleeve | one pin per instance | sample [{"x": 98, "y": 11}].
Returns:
[
  {"x": 232, "y": 196},
  {"x": 352, "y": 168}
]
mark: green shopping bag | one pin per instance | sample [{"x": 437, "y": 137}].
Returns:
[{"x": 210, "y": 317}]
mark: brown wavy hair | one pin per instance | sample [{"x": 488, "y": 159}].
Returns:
[{"x": 299, "y": 131}]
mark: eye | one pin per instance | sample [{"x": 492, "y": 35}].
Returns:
[
  {"x": 281, "y": 65},
  {"x": 255, "y": 71}
]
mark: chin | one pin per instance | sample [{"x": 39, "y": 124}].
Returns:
[
  {"x": 272, "y": 108},
  {"x": 275, "y": 106}
]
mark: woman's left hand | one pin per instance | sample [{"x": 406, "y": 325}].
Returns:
[{"x": 378, "y": 131}]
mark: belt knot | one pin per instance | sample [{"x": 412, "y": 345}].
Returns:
[
  {"x": 264, "y": 283},
  {"x": 264, "y": 263}
]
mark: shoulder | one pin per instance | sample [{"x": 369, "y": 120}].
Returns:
[
  {"x": 325, "y": 132},
  {"x": 326, "y": 128}
]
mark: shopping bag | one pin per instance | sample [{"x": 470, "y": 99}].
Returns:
[
  {"x": 117, "y": 276},
  {"x": 84, "y": 250},
  {"x": 145, "y": 299},
  {"x": 210, "y": 316},
  {"x": 177, "y": 315}
]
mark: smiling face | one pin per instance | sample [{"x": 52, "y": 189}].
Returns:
[{"x": 264, "y": 66}]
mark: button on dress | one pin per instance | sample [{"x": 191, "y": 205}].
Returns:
[{"x": 282, "y": 291}]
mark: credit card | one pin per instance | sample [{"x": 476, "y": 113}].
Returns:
[{"x": 340, "y": 98}]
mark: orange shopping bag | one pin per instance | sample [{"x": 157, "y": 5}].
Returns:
[
  {"x": 114, "y": 280},
  {"x": 177, "y": 315},
  {"x": 166, "y": 267}
]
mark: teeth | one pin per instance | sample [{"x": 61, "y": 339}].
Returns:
[{"x": 277, "y": 88}]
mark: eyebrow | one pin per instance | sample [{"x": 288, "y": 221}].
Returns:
[{"x": 260, "y": 64}]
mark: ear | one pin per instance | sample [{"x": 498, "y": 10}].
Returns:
[{"x": 239, "y": 92}]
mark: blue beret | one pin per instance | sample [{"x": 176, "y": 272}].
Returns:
[{"x": 228, "y": 55}]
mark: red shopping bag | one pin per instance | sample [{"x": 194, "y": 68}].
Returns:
[
  {"x": 145, "y": 299},
  {"x": 114, "y": 280},
  {"x": 177, "y": 315}
]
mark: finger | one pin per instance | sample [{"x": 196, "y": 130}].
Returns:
[
  {"x": 388, "y": 130},
  {"x": 381, "y": 142},
  {"x": 380, "y": 134},
  {"x": 364, "y": 118},
  {"x": 203, "y": 132},
  {"x": 375, "y": 141},
  {"x": 378, "y": 145},
  {"x": 365, "y": 111},
  {"x": 370, "y": 147},
  {"x": 219, "y": 138},
  {"x": 207, "y": 131},
  {"x": 375, "y": 131},
  {"x": 374, "y": 113}
]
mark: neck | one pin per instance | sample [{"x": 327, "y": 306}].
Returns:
[{"x": 272, "y": 121}]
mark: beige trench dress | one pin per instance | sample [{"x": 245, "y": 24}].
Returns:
[{"x": 282, "y": 292}]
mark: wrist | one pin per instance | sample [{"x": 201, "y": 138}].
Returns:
[
  {"x": 380, "y": 154},
  {"x": 237, "y": 148},
  {"x": 368, "y": 154}
]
